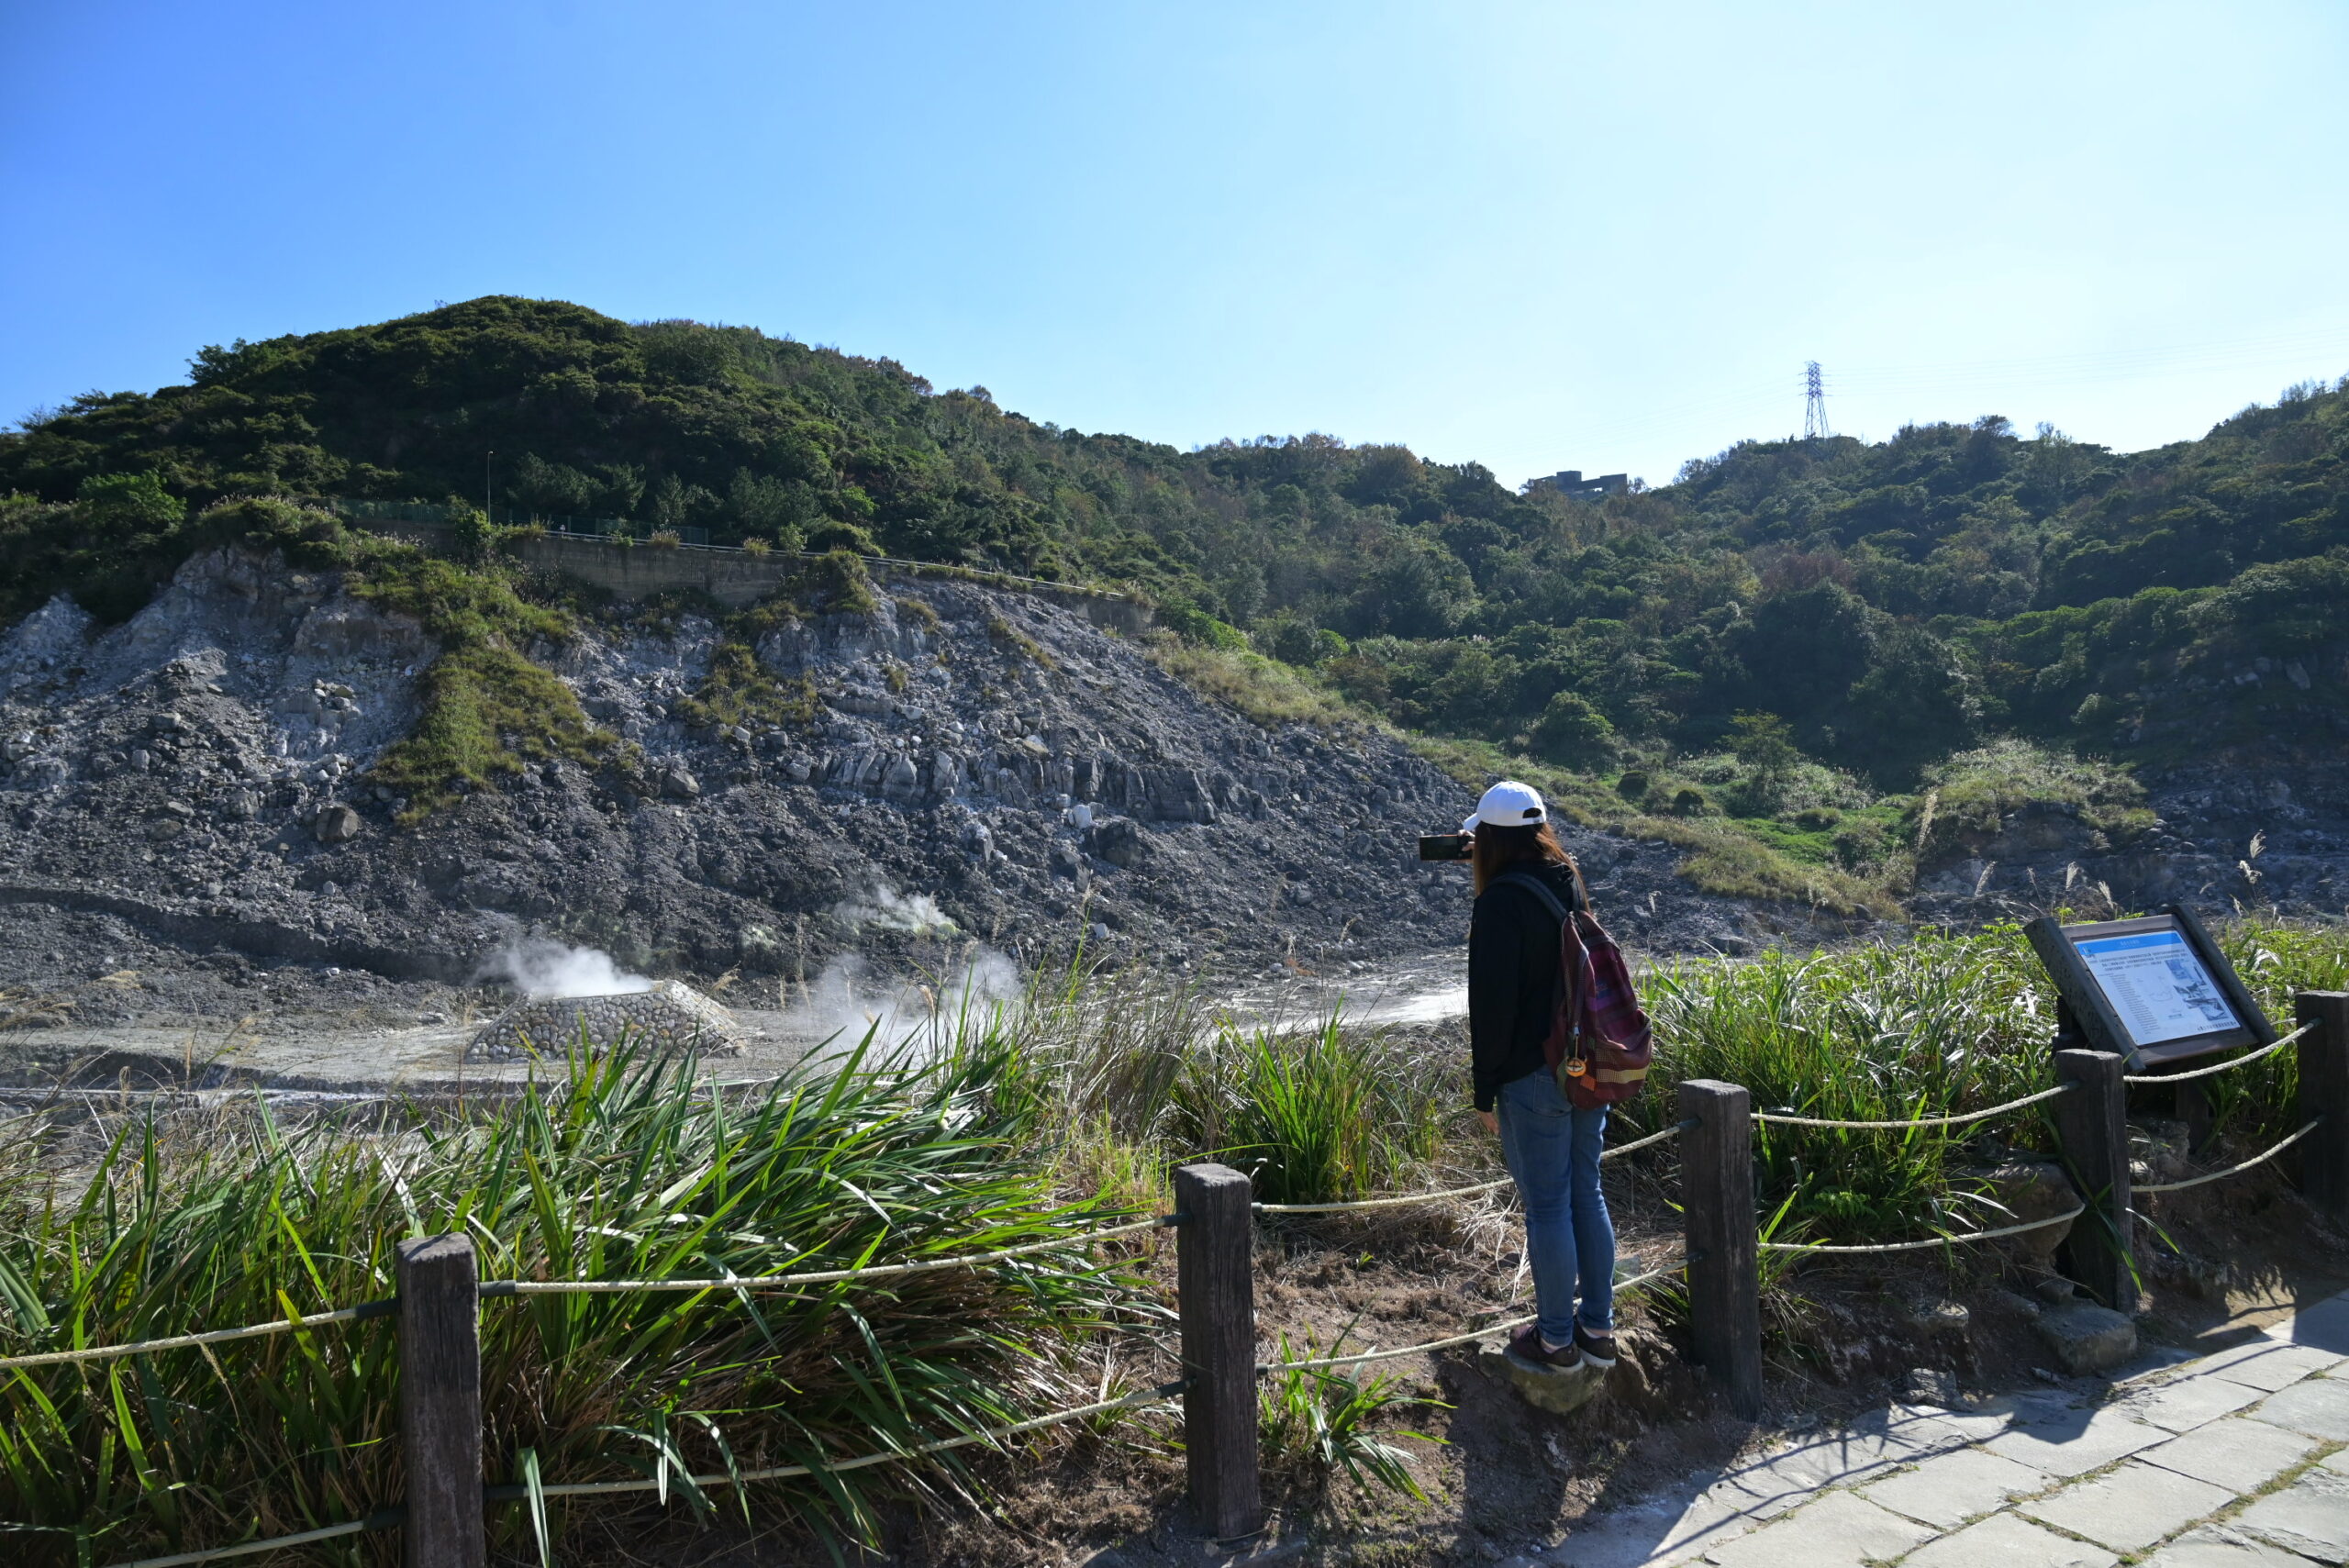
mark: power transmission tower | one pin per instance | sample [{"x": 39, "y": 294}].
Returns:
[{"x": 1814, "y": 407}]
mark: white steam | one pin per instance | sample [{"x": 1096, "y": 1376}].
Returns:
[
  {"x": 846, "y": 1001},
  {"x": 539, "y": 966},
  {"x": 884, "y": 906}
]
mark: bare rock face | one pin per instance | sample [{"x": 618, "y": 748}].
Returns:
[{"x": 668, "y": 1018}]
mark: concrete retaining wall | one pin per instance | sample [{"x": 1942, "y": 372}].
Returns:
[{"x": 735, "y": 578}]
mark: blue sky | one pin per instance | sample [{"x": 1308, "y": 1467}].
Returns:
[{"x": 1539, "y": 236}]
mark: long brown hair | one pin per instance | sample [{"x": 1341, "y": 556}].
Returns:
[{"x": 1494, "y": 849}]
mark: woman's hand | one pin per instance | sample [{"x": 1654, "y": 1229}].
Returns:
[{"x": 1491, "y": 1121}]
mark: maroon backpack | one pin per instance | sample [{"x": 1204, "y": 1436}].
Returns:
[{"x": 1599, "y": 1045}]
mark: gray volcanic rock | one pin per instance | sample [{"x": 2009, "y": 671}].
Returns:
[
  {"x": 668, "y": 1018},
  {"x": 991, "y": 760}
]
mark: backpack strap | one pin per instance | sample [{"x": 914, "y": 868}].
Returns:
[{"x": 1536, "y": 886}]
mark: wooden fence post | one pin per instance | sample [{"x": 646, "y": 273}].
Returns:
[
  {"x": 1216, "y": 1286},
  {"x": 2092, "y": 1129},
  {"x": 1723, "y": 1238},
  {"x": 2324, "y": 1092},
  {"x": 440, "y": 1296}
]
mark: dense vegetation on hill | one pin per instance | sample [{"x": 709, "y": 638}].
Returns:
[{"x": 1889, "y": 603}]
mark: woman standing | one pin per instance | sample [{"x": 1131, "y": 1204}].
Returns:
[{"x": 1551, "y": 1146}]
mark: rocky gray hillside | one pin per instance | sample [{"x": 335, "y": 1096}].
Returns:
[
  {"x": 187, "y": 793},
  {"x": 2224, "y": 837}
]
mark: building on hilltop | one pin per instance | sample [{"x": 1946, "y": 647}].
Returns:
[{"x": 1570, "y": 481}]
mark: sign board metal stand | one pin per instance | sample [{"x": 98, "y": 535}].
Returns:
[
  {"x": 2151, "y": 991},
  {"x": 2131, "y": 994}
]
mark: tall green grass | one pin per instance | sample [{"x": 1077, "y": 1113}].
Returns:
[
  {"x": 1934, "y": 1025},
  {"x": 629, "y": 1171},
  {"x": 1318, "y": 1116},
  {"x": 1142, "y": 1075}
]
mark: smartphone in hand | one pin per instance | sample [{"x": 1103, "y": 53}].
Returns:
[{"x": 1445, "y": 846}]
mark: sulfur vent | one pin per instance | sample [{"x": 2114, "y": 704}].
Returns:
[{"x": 668, "y": 1018}]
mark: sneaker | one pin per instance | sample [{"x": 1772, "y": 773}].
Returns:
[
  {"x": 1597, "y": 1350},
  {"x": 1526, "y": 1345}
]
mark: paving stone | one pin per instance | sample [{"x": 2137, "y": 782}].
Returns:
[
  {"x": 2318, "y": 1406},
  {"x": 2009, "y": 1542},
  {"x": 1665, "y": 1531},
  {"x": 2216, "y": 1546},
  {"x": 2268, "y": 1363},
  {"x": 2077, "y": 1442},
  {"x": 1870, "y": 1445},
  {"x": 2338, "y": 1463},
  {"x": 2130, "y": 1509},
  {"x": 1931, "y": 1426},
  {"x": 2310, "y": 1516},
  {"x": 2182, "y": 1404},
  {"x": 1841, "y": 1529},
  {"x": 2325, "y": 1325},
  {"x": 1951, "y": 1488},
  {"x": 2239, "y": 1454}
]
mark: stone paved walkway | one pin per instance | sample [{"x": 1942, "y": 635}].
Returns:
[{"x": 2236, "y": 1460}]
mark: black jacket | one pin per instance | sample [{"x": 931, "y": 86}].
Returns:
[{"x": 1513, "y": 978}]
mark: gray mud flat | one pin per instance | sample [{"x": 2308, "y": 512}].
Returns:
[{"x": 320, "y": 1055}]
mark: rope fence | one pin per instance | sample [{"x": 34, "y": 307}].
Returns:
[
  {"x": 2231, "y": 1169},
  {"x": 1778, "y": 1118},
  {"x": 513, "y": 1493},
  {"x": 1318, "y": 1363},
  {"x": 2227, "y": 1066},
  {"x": 1494, "y": 1185},
  {"x": 364, "y": 1310},
  {"x": 516, "y": 1492},
  {"x": 1929, "y": 1241},
  {"x": 826, "y": 1276},
  {"x": 382, "y": 1518}
]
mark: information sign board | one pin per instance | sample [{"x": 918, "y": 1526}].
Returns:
[{"x": 2153, "y": 989}]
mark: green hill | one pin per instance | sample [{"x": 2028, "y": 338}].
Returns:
[{"x": 1891, "y": 604}]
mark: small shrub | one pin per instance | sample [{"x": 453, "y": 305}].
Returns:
[
  {"x": 1817, "y": 818},
  {"x": 1632, "y": 786},
  {"x": 470, "y": 533},
  {"x": 1689, "y": 801},
  {"x": 1316, "y": 1421},
  {"x": 1572, "y": 732},
  {"x": 919, "y": 612},
  {"x": 665, "y": 538},
  {"x": 740, "y": 690},
  {"x": 1194, "y": 625},
  {"x": 838, "y": 536},
  {"x": 838, "y": 582},
  {"x": 757, "y": 547},
  {"x": 129, "y": 502}
]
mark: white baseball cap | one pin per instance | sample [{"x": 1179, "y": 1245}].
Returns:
[{"x": 1508, "y": 804}]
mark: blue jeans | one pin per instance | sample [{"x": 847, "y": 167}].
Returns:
[{"x": 1552, "y": 1147}]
